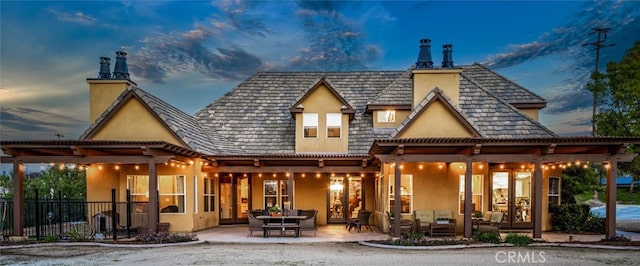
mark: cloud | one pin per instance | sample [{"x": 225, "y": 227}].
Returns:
[
  {"x": 29, "y": 123},
  {"x": 576, "y": 60},
  {"x": 73, "y": 17},
  {"x": 334, "y": 42}
]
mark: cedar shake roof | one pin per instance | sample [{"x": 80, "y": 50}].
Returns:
[{"x": 182, "y": 125}]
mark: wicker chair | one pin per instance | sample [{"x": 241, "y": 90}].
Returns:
[
  {"x": 493, "y": 225},
  {"x": 309, "y": 224},
  {"x": 255, "y": 224},
  {"x": 363, "y": 219}
]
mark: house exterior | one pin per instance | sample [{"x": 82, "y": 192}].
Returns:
[{"x": 458, "y": 138}]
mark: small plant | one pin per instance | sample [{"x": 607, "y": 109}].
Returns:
[
  {"x": 477, "y": 214},
  {"x": 488, "y": 237},
  {"x": 164, "y": 237},
  {"x": 617, "y": 238},
  {"x": 80, "y": 233},
  {"x": 51, "y": 239},
  {"x": 275, "y": 208},
  {"x": 518, "y": 239}
]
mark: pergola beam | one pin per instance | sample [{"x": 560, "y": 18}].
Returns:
[{"x": 120, "y": 159}]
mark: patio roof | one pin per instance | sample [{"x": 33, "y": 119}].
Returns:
[
  {"x": 506, "y": 150},
  {"x": 92, "y": 151}
]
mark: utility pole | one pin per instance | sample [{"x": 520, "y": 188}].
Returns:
[{"x": 599, "y": 44}]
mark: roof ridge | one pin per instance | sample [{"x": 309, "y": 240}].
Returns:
[{"x": 509, "y": 105}]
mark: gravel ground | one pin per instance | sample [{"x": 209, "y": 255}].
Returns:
[{"x": 310, "y": 254}]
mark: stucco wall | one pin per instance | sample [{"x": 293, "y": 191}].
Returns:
[
  {"x": 102, "y": 93},
  {"x": 322, "y": 101},
  {"x": 436, "y": 121},
  {"x": 425, "y": 81}
]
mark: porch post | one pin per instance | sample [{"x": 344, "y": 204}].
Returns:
[
  {"x": 467, "y": 199},
  {"x": 537, "y": 212},
  {"x": 290, "y": 190},
  {"x": 396, "y": 203},
  {"x": 610, "y": 222},
  {"x": 153, "y": 197},
  {"x": 18, "y": 199}
]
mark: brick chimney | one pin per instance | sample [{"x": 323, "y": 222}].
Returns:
[{"x": 426, "y": 77}]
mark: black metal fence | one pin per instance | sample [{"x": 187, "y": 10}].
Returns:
[{"x": 65, "y": 218}]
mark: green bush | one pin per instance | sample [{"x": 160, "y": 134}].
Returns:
[
  {"x": 576, "y": 218},
  {"x": 50, "y": 239},
  {"x": 80, "y": 233},
  {"x": 164, "y": 237},
  {"x": 518, "y": 239},
  {"x": 488, "y": 237}
]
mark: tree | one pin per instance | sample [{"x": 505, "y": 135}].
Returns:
[
  {"x": 69, "y": 181},
  {"x": 618, "y": 94}
]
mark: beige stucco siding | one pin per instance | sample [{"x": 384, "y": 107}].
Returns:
[
  {"x": 531, "y": 113},
  {"x": 102, "y": 93},
  {"x": 322, "y": 101},
  {"x": 436, "y": 121},
  {"x": 424, "y": 81},
  {"x": 134, "y": 122}
]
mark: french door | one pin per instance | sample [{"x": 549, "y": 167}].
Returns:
[
  {"x": 234, "y": 199},
  {"x": 511, "y": 193},
  {"x": 345, "y": 198}
]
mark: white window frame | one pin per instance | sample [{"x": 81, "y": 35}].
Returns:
[
  {"x": 334, "y": 120},
  {"x": 407, "y": 192},
  {"x": 386, "y": 116},
  {"x": 461, "y": 192},
  {"x": 195, "y": 194},
  {"x": 309, "y": 120},
  {"x": 182, "y": 195},
  {"x": 281, "y": 193},
  {"x": 209, "y": 194},
  {"x": 558, "y": 194}
]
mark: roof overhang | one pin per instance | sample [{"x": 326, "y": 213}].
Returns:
[
  {"x": 506, "y": 150},
  {"x": 92, "y": 151}
]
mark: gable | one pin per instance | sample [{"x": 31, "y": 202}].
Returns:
[
  {"x": 321, "y": 99},
  {"x": 133, "y": 121},
  {"x": 436, "y": 120}
]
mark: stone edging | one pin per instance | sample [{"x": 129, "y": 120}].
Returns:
[
  {"x": 487, "y": 245},
  {"x": 101, "y": 244}
]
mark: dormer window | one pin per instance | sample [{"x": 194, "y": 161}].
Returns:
[
  {"x": 387, "y": 116},
  {"x": 334, "y": 125},
  {"x": 310, "y": 125}
]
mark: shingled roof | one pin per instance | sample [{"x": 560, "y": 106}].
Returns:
[
  {"x": 254, "y": 117},
  {"x": 182, "y": 125}
]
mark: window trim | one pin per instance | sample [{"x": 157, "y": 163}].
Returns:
[
  {"x": 209, "y": 197},
  {"x": 305, "y": 124},
  {"x": 388, "y": 116},
  {"x": 409, "y": 193},
  {"x": 339, "y": 126},
  {"x": 461, "y": 193},
  {"x": 558, "y": 195},
  {"x": 160, "y": 177}
]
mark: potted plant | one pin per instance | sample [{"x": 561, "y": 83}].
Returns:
[
  {"x": 274, "y": 210},
  {"x": 477, "y": 215}
]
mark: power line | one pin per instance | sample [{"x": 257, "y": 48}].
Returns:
[{"x": 599, "y": 44}]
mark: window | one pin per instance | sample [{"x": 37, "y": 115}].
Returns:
[
  {"x": 406, "y": 193},
  {"x": 310, "y": 125},
  {"x": 273, "y": 195},
  {"x": 476, "y": 193},
  {"x": 334, "y": 125},
  {"x": 554, "y": 193},
  {"x": 209, "y": 195},
  {"x": 387, "y": 116},
  {"x": 171, "y": 191}
]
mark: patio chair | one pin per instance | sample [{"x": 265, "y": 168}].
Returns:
[
  {"x": 309, "y": 224},
  {"x": 406, "y": 225},
  {"x": 493, "y": 225},
  {"x": 255, "y": 224},
  {"x": 363, "y": 219}
]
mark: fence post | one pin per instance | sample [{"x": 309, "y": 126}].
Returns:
[
  {"x": 60, "y": 223},
  {"x": 128, "y": 213},
  {"x": 114, "y": 228},
  {"x": 37, "y": 218}
]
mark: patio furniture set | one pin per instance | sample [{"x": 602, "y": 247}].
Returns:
[{"x": 291, "y": 220}]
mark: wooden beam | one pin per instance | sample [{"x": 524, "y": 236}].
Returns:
[
  {"x": 550, "y": 149},
  {"x": 507, "y": 158},
  {"x": 537, "y": 202},
  {"x": 364, "y": 163},
  {"x": 320, "y": 163},
  {"x": 18, "y": 199},
  {"x": 78, "y": 151},
  {"x": 296, "y": 169},
  {"x": 396, "y": 202},
  {"x": 86, "y": 159},
  {"x": 477, "y": 149},
  {"x": 256, "y": 162},
  {"x": 154, "y": 207},
  {"x": 611, "y": 187},
  {"x": 468, "y": 198}
]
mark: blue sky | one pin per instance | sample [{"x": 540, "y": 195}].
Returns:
[{"x": 189, "y": 53}]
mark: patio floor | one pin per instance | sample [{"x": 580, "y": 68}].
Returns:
[{"x": 338, "y": 233}]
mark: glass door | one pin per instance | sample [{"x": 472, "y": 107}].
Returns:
[
  {"x": 234, "y": 199},
  {"x": 511, "y": 194},
  {"x": 337, "y": 200},
  {"x": 355, "y": 197}
]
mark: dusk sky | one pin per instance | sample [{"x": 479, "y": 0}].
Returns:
[{"x": 189, "y": 53}]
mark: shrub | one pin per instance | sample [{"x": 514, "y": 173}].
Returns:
[
  {"x": 576, "y": 218},
  {"x": 518, "y": 239},
  {"x": 164, "y": 237},
  {"x": 50, "y": 239},
  {"x": 80, "y": 233},
  {"x": 488, "y": 237},
  {"x": 617, "y": 238}
]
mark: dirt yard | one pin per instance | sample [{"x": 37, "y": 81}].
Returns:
[{"x": 306, "y": 254}]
